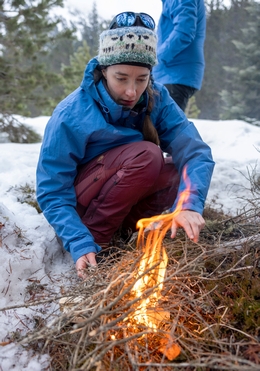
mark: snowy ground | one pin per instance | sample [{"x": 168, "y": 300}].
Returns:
[{"x": 32, "y": 262}]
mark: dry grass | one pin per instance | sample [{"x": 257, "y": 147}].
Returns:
[{"x": 211, "y": 291}]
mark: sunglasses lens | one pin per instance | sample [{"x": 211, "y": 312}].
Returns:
[
  {"x": 147, "y": 21},
  {"x": 126, "y": 19}
]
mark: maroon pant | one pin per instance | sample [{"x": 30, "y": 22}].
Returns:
[{"x": 123, "y": 185}]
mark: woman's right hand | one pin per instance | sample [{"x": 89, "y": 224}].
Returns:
[{"x": 83, "y": 262}]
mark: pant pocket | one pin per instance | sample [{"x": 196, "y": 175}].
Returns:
[{"x": 86, "y": 184}]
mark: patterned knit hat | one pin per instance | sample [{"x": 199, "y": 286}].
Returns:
[{"x": 128, "y": 45}]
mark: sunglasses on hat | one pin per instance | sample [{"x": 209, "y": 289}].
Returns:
[{"x": 128, "y": 19}]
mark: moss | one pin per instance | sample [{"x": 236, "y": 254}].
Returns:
[
  {"x": 28, "y": 196},
  {"x": 240, "y": 293}
]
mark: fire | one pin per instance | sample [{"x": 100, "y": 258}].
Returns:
[
  {"x": 153, "y": 264},
  {"x": 154, "y": 260}
]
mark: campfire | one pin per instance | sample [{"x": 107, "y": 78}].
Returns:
[
  {"x": 149, "y": 283},
  {"x": 151, "y": 273},
  {"x": 163, "y": 298},
  {"x": 147, "y": 316}
]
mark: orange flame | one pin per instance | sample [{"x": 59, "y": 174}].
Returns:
[{"x": 154, "y": 262}]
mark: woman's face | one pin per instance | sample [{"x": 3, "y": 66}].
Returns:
[{"x": 126, "y": 83}]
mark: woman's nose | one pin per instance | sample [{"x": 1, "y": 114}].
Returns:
[{"x": 131, "y": 91}]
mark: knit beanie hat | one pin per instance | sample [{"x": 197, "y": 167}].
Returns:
[{"x": 136, "y": 45}]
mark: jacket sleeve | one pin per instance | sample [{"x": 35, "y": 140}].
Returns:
[
  {"x": 180, "y": 138},
  {"x": 183, "y": 30},
  {"x": 61, "y": 152}
]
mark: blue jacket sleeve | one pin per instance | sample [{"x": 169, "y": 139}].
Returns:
[
  {"x": 184, "y": 22},
  {"x": 61, "y": 152},
  {"x": 180, "y": 138}
]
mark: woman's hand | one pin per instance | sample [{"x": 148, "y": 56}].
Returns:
[
  {"x": 83, "y": 262},
  {"x": 191, "y": 221}
]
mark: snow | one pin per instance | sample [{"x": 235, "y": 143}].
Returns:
[{"x": 33, "y": 264}]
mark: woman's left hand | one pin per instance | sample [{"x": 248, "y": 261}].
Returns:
[
  {"x": 191, "y": 221},
  {"x": 83, "y": 262}
]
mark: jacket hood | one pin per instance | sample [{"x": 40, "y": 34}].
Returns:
[
  {"x": 91, "y": 76},
  {"x": 93, "y": 85}
]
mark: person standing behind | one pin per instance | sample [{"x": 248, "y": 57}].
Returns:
[{"x": 180, "y": 49}]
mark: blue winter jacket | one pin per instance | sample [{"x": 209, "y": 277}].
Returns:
[
  {"x": 180, "y": 49},
  {"x": 87, "y": 123}
]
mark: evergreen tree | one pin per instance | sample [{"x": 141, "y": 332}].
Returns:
[
  {"x": 72, "y": 75},
  {"x": 26, "y": 28},
  {"x": 223, "y": 26},
  {"x": 192, "y": 110},
  {"x": 207, "y": 98},
  {"x": 71, "y": 72},
  {"x": 91, "y": 29},
  {"x": 242, "y": 101},
  {"x": 60, "y": 49}
]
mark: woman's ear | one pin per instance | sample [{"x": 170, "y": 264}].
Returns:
[{"x": 104, "y": 73}]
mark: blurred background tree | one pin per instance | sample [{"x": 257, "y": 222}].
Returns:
[
  {"x": 192, "y": 110},
  {"x": 86, "y": 47},
  {"x": 224, "y": 25},
  {"x": 72, "y": 75},
  {"x": 43, "y": 58},
  {"x": 241, "y": 100},
  {"x": 26, "y": 31}
]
